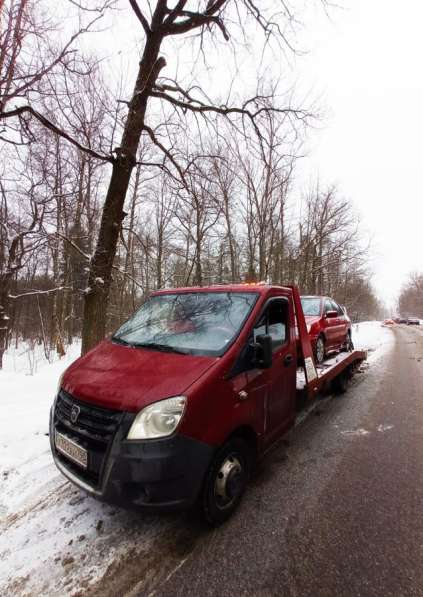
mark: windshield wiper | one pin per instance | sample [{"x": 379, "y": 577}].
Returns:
[
  {"x": 161, "y": 347},
  {"x": 118, "y": 340}
]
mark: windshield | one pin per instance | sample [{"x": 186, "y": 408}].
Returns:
[
  {"x": 203, "y": 323},
  {"x": 311, "y": 306}
]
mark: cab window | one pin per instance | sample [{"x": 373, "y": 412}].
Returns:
[{"x": 274, "y": 322}]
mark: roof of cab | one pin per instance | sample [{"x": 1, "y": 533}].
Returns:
[{"x": 258, "y": 287}]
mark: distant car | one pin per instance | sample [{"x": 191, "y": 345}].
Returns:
[
  {"x": 413, "y": 321},
  {"x": 388, "y": 322},
  {"x": 328, "y": 325}
]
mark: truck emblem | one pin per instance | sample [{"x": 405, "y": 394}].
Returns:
[{"x": 75, "y": 413}]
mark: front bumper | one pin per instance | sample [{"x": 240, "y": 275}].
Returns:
[{"x": 163, "y": 474}]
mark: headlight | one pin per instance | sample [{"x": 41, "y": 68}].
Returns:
[
  {"x": 59, "y": 383},
  {"x": 159, "y": 419}
]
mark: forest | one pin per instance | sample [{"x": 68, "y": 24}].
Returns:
[{"x": 111, "y": 188}]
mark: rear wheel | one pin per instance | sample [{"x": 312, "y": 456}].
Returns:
[
  {"x": 226, "y": 481},
  {"x": 340, "y": 383},
  {"x": 348, "y": 346},
  {"x": 319, "y": 352}
]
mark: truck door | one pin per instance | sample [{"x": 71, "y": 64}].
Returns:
[{"x": 273, "y": 390}]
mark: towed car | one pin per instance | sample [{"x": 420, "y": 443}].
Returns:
[{"x": 328, "y": 325}]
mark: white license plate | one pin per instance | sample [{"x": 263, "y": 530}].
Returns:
[{"x": 71, "y": 449}]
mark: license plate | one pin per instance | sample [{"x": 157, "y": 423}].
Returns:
[{"x": 71, "y": 450}]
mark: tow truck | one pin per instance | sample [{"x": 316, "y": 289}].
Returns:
[{"x": 175, "y": 408}]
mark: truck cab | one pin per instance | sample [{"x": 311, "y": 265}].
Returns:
[{"x": 175, "y": 407}]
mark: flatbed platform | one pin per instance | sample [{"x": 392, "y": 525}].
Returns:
[{"x": 329, "y": 370}]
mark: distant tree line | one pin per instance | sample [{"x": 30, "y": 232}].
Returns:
[{"x": 410, "y": 302}]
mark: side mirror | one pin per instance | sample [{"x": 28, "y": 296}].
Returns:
[
  {"x": 263, "y": 352},
  {"x": 331, "y": 314}
]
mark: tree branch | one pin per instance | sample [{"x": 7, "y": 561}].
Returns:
[
  {"x": 55, "y": 129},
  {"x": 140, "y": 16}
]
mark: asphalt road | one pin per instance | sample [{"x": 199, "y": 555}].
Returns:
[{"x": 336, "y": 510}]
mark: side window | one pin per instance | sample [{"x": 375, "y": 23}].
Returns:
[
  {"x": 274, "y": 322},
  {"x": 328, "y": 306},
  {"x": 338, "y": 308},
  {"x": 261, "y": 328}
]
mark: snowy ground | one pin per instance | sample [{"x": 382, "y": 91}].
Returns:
[
  {"x": 54, "y": 539},
  {"x": 373, "y": 337}
]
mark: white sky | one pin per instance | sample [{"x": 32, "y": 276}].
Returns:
[{"x": 367, "y": 64}]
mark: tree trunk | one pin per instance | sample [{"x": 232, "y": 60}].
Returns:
[{"x": 99, "y": 280}]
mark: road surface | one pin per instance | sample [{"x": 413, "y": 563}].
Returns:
[{"x": 337, "y": 511}]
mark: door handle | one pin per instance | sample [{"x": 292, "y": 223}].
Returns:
[{"x": 288, "y": 360}]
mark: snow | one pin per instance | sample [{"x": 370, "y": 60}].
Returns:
[
  {"x": 54, "y": 539},
  {"x": 373, "y": 337}
]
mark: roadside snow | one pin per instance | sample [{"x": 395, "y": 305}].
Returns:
[
  {"x": 25, "y": 462},
  {"x": 54, "y": 539},
  {"x": 373, "y": 337}
]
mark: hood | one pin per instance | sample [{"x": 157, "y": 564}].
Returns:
[{"x": 126, "y": 378}]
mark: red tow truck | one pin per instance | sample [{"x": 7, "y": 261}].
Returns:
[{"x": 174, "y": 409}]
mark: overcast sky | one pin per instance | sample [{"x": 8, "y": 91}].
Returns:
[{"x": 367, "y": 64}]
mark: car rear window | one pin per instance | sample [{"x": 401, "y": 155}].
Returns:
[{"x": 311, "y": 306}]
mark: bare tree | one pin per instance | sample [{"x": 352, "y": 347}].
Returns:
[
  {"x": 410, "y": 302},
  {"x": 164, "y": 22}
]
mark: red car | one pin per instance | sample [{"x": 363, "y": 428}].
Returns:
[{"x": 328, "y": 325}]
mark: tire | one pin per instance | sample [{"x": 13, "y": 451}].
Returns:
[
  {"x": 320, "y": 350},
  {"x": 340, "y": 383},
  {"x": 349, "y": 345},
  {"x": 226, "y": 481}
]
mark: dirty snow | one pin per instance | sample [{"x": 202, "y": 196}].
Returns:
[{"x": 54, "y": 539}]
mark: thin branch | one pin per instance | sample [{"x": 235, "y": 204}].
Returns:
[
  {"x": 55, "y": 129},
  {"x": 39, "y": 292}
]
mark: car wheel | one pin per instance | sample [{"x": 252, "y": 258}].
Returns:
[
  {"x": 349, "y": 345},
  {"x": 319, "y": 352},
  {"x": 226, "y": 481}
]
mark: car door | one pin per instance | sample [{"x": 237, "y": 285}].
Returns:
[
  {"x": 273, "y": 390},
  {"x": 329, "y": 324},
  {"x": 341, "y": 324}
]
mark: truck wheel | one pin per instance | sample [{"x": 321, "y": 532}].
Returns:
[
  {"x": 320, "y": 350},
  {"x": 225, "y": 481},
  {"x": 340, "y": 383}
]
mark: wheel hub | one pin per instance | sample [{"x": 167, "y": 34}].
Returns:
[{"x": 228, "y": 483}]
